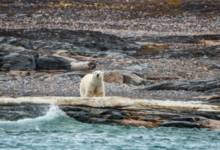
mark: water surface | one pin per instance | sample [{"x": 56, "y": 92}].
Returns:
[{"x": 57, "y": 131}]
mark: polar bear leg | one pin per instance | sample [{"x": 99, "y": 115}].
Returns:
[
  {"x": 100, "y": 94},
  {"x": 82, "y": 93},
  {"x": 89, "y": 93}
]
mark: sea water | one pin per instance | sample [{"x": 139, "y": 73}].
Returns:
[{"x": 55, "y": 130}]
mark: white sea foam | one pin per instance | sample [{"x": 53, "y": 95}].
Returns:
[{"x": 53, "y": 113}]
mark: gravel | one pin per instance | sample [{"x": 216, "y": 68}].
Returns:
[{"x": 69, "y": 86}]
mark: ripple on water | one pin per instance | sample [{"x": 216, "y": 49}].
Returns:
[{"x": 57, "y": 131}]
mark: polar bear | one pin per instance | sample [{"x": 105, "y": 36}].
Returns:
[{"x": 92, "y": 85}]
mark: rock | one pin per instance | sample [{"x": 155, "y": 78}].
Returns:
[
  {"x": 213, "y": 91},
  {"x": 21, "y": 112},
  {"x": 116, "y": 111},
  {"x": 68, "y": 74},
  {"x": 194, "y": 85},
  {"x": 132, "y": 79},
  {"x": 209, "y": 42},
  {"x": 54, "y": 63},
  {"x": 3, "y": 16},
  {"x": 189, "y": 118},
  {"x": 135, "y": 68},
  {"x": 214, "y": 66},
  {"x": 175, "y": 38},
  {"x": 113, "y": 77},
  {"x": 17, "y": 58},
  {"x": 80, "y": 40},
  {"x": 125, "y": 77},
  {"x": 125, "y": 72},
  {"x": 110, "y": 55},
  {"x": 5, "y": 78},
  {"x": 138, "y": 123},
  {"x": 212, "y": 51},
  {"x": 20, "y": 15},
  {"x": 2, "y": 39},
  {"x": 180, "y": 124},
  {"x": 12, "y": 72},
  {"x": 200, "y": 8}
]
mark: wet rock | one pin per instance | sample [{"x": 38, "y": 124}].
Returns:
[
  {"x": 189, "y": 118},
  {"x": 24, "y": 111},
  {"x": 138, "y": 123},
  {"x": 180, "y": 124},
  {"x": 17, "y": 58}
]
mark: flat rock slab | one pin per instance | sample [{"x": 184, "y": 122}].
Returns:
[
  {"x": 17, "y": 58},
  {"x": 119, "y": 111}
]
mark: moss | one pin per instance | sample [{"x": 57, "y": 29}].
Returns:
[
  {"x": 154, "y": 48},
  {"x": 176, "y": 4}
]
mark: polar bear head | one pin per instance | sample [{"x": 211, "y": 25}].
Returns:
[{"x": 98, "y": 74}]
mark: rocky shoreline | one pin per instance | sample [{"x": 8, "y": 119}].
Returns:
[
  {"x": 117, "y": 111},
  {"x": 166, "y": 57}
]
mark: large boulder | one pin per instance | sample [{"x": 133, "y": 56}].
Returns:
[
  {"x": 17, "y": 58},
  {"x": 63, "y": 63}
]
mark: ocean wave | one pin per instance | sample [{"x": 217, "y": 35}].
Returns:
[{"x": 53, "y": 113}]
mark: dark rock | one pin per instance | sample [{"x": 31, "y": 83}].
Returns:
[
  {"x": 189, "y": 118},
  {"x": 212, "y": 84},
  {"x": 159, "y": 86},
  {"x": 17, "y": 58},
  {"x": 20, "y": 112},
  {"x": 180, "y": 124},
  {"x": 20, "y": 15},
  {"x": 3, "y": 16},
  {"x": 215, "y": 91},
  {"x": 209, "y": 86},
  {"x": 5, "y": 78},
  {"x": 89, "y": 118},
  {"x": 12, "y": 41},
  {"x": 212, "y": 51},
  {"x": 175, "y": 38},
  {"x": 79, "y": 40},
  {"x": 197, "y": 8},
  {"x": 181, "y": 85},
  {"x": 214, "y": 66},
  {"x": 53, "y": 63},
  {"x": 2, "y": 39},
  {"x": 69, "y": 108}
]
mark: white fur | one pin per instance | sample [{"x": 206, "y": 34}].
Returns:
[{"x": 92, "y": 85}]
